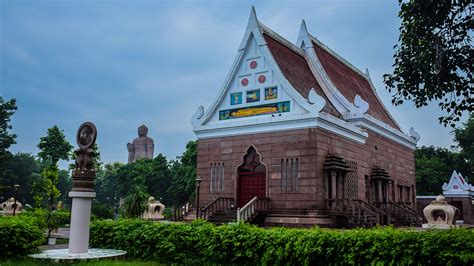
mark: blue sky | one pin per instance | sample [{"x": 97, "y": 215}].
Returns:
[{"x": 123, "y": 63}]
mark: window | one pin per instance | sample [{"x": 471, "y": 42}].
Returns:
[
  {"x": 352, "y": 183},
  {"x": 289, "y": 174},
  {"x": 217, "y": 177}
]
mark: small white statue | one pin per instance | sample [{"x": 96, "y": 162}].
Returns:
[
  {"x": 9, "y": 205},
  {"x": 447, "y": 214},
  {"x": 155, "y": 210}
]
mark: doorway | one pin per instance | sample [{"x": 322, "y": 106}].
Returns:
[{"x": 251, "y": 178}]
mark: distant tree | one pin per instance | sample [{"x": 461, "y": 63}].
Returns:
[
  {"x": 23, "y": 169},
  {"x": 464, "y": 137},
  {"x": 54, "y": 146},
  {"x": 183, "y": 172},
  {"x": 64, "y": 186},
  {"x": 434, "y": 58},
  {"x": 434, "y": 167},
  {"x": 153, "y": 175},
  {"x": 7, "y": 109},
  {"x": 159, "y": 179},
  {"x": 107, "y": 184}
]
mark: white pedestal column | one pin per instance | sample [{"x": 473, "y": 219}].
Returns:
[{"x": 80, "y": 221}]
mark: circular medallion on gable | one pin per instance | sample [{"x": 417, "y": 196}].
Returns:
[
  {"x": 455, "y": 187},
  {"x": 253, "y": 64},
  {"x": 244, "y": 82},
  {"x": 262, "y": 78}
]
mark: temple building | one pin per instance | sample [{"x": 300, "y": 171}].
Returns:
[{"x": 297, "y": 136}]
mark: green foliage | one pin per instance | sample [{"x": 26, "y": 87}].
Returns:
[
  {"x": 434, "y": 57},
  {"x": 102, "y": 211},
  {"x": 183, "y": 172},
  {"x": 64, "y": 185},
  {"x": 7, "y": 109},
  {"x": 46, "y": 194},
  {"x": 154, "y": 175},
  {"x": 19, "y": 236},
  {"x": 22, "y": 169},
  {"x": 107, "y": 184},
  {"x": 202, "y": 243},
  {"x": 464, "y": 137},
  {"x": 135, "y": 202},
  {"x": 434, "y": 167},
  {"x": 54, "y": 146}
]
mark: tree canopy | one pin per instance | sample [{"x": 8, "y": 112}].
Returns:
[
  {"x": 7, "y": 109},
  {"x": 434, "y": 167},
  {"x": 464, "y": 137},
  {"x": 434, "y": 57},
  {"x": 54, "y": 146}
]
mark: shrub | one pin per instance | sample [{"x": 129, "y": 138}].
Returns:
[
  {"x": 102, "y": 211},
  {"x": 201, "y": 242},
  {"x": 40, "y": 216},
  {"x": 19, "y": 236}
]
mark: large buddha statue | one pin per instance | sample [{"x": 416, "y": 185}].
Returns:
[{"x": 141, "y": 147}]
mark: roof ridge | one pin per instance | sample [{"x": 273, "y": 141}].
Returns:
[
  {"x": 338, "y": 57},
  {"x": 281, "y": 39}
]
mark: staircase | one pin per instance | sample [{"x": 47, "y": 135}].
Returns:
[
  {"x": 298, "y": 218},
  {"x": 404, "y": 215},
  {"x": 356, "y": 213},
  {"x": 223, "y": 217}
]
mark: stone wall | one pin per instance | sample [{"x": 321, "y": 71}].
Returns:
[{"x": 310, "y": 146}]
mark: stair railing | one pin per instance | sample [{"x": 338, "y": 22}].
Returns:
[
  {"x": 381, "y": 213},
  {"x": 249, "y": 210},
  {"x": 364, "y": 215},
  {"x": 407, "y": 214},
  {"x": 219, "y": 204}
]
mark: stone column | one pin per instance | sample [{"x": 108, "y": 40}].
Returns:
[
  {"x": 334, "y": 184},
  {"x": 379, "y": 191},
  {"x": 80, "y": 221},
  {"x": 389, "y": 191}
]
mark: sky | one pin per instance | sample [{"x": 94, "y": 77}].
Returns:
[{"x": 120, "y": 64}]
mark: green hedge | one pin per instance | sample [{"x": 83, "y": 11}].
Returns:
[
  {"x": 19, "y": 236},
  {"x": 201, "y": 242}
]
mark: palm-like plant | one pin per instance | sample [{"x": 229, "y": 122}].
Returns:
[{"x": 135, "y": 202}]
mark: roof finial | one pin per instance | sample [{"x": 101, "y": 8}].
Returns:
[
  {"x": 367, "y": 72},
  {"x": 303, "y": 29},
  {"x": 253, "y": 21},
  {"x": 303, "y": 37}
]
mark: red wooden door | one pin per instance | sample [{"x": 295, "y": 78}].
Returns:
[{"x": 250, "y": 185}]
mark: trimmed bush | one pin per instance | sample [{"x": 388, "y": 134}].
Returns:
[
  {"x": 102, "y": 211},
  {"x": 201, "y": 242},
  {"x": 19, "y": 236}
]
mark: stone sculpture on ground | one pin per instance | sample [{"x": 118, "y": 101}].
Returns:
[
  {"x": 8, "y": 206},
  {"x": 440, "y": 215},
  {"x": 141, "y": 147},
  {"x": 155, "y": 210}
]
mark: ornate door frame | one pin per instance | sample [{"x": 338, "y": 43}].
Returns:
[{"x": 242, "y": 162}]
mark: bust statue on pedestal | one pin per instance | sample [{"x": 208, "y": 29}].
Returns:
[{"x": 141, "y": 147}]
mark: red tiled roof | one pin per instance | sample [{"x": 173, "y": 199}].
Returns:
[
  {"x": 296, "y": 70},
  {"x": 350, "y": 83}
]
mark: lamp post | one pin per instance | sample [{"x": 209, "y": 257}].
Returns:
[
  {"x": 198, "y": 184},
  {"x": 16, "y": 196}
]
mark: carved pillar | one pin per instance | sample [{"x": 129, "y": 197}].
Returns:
[
  {"x": 389, "y": 191},
  {"x": 333, "y": 186},
  {"x": 379, "y": 191}
]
